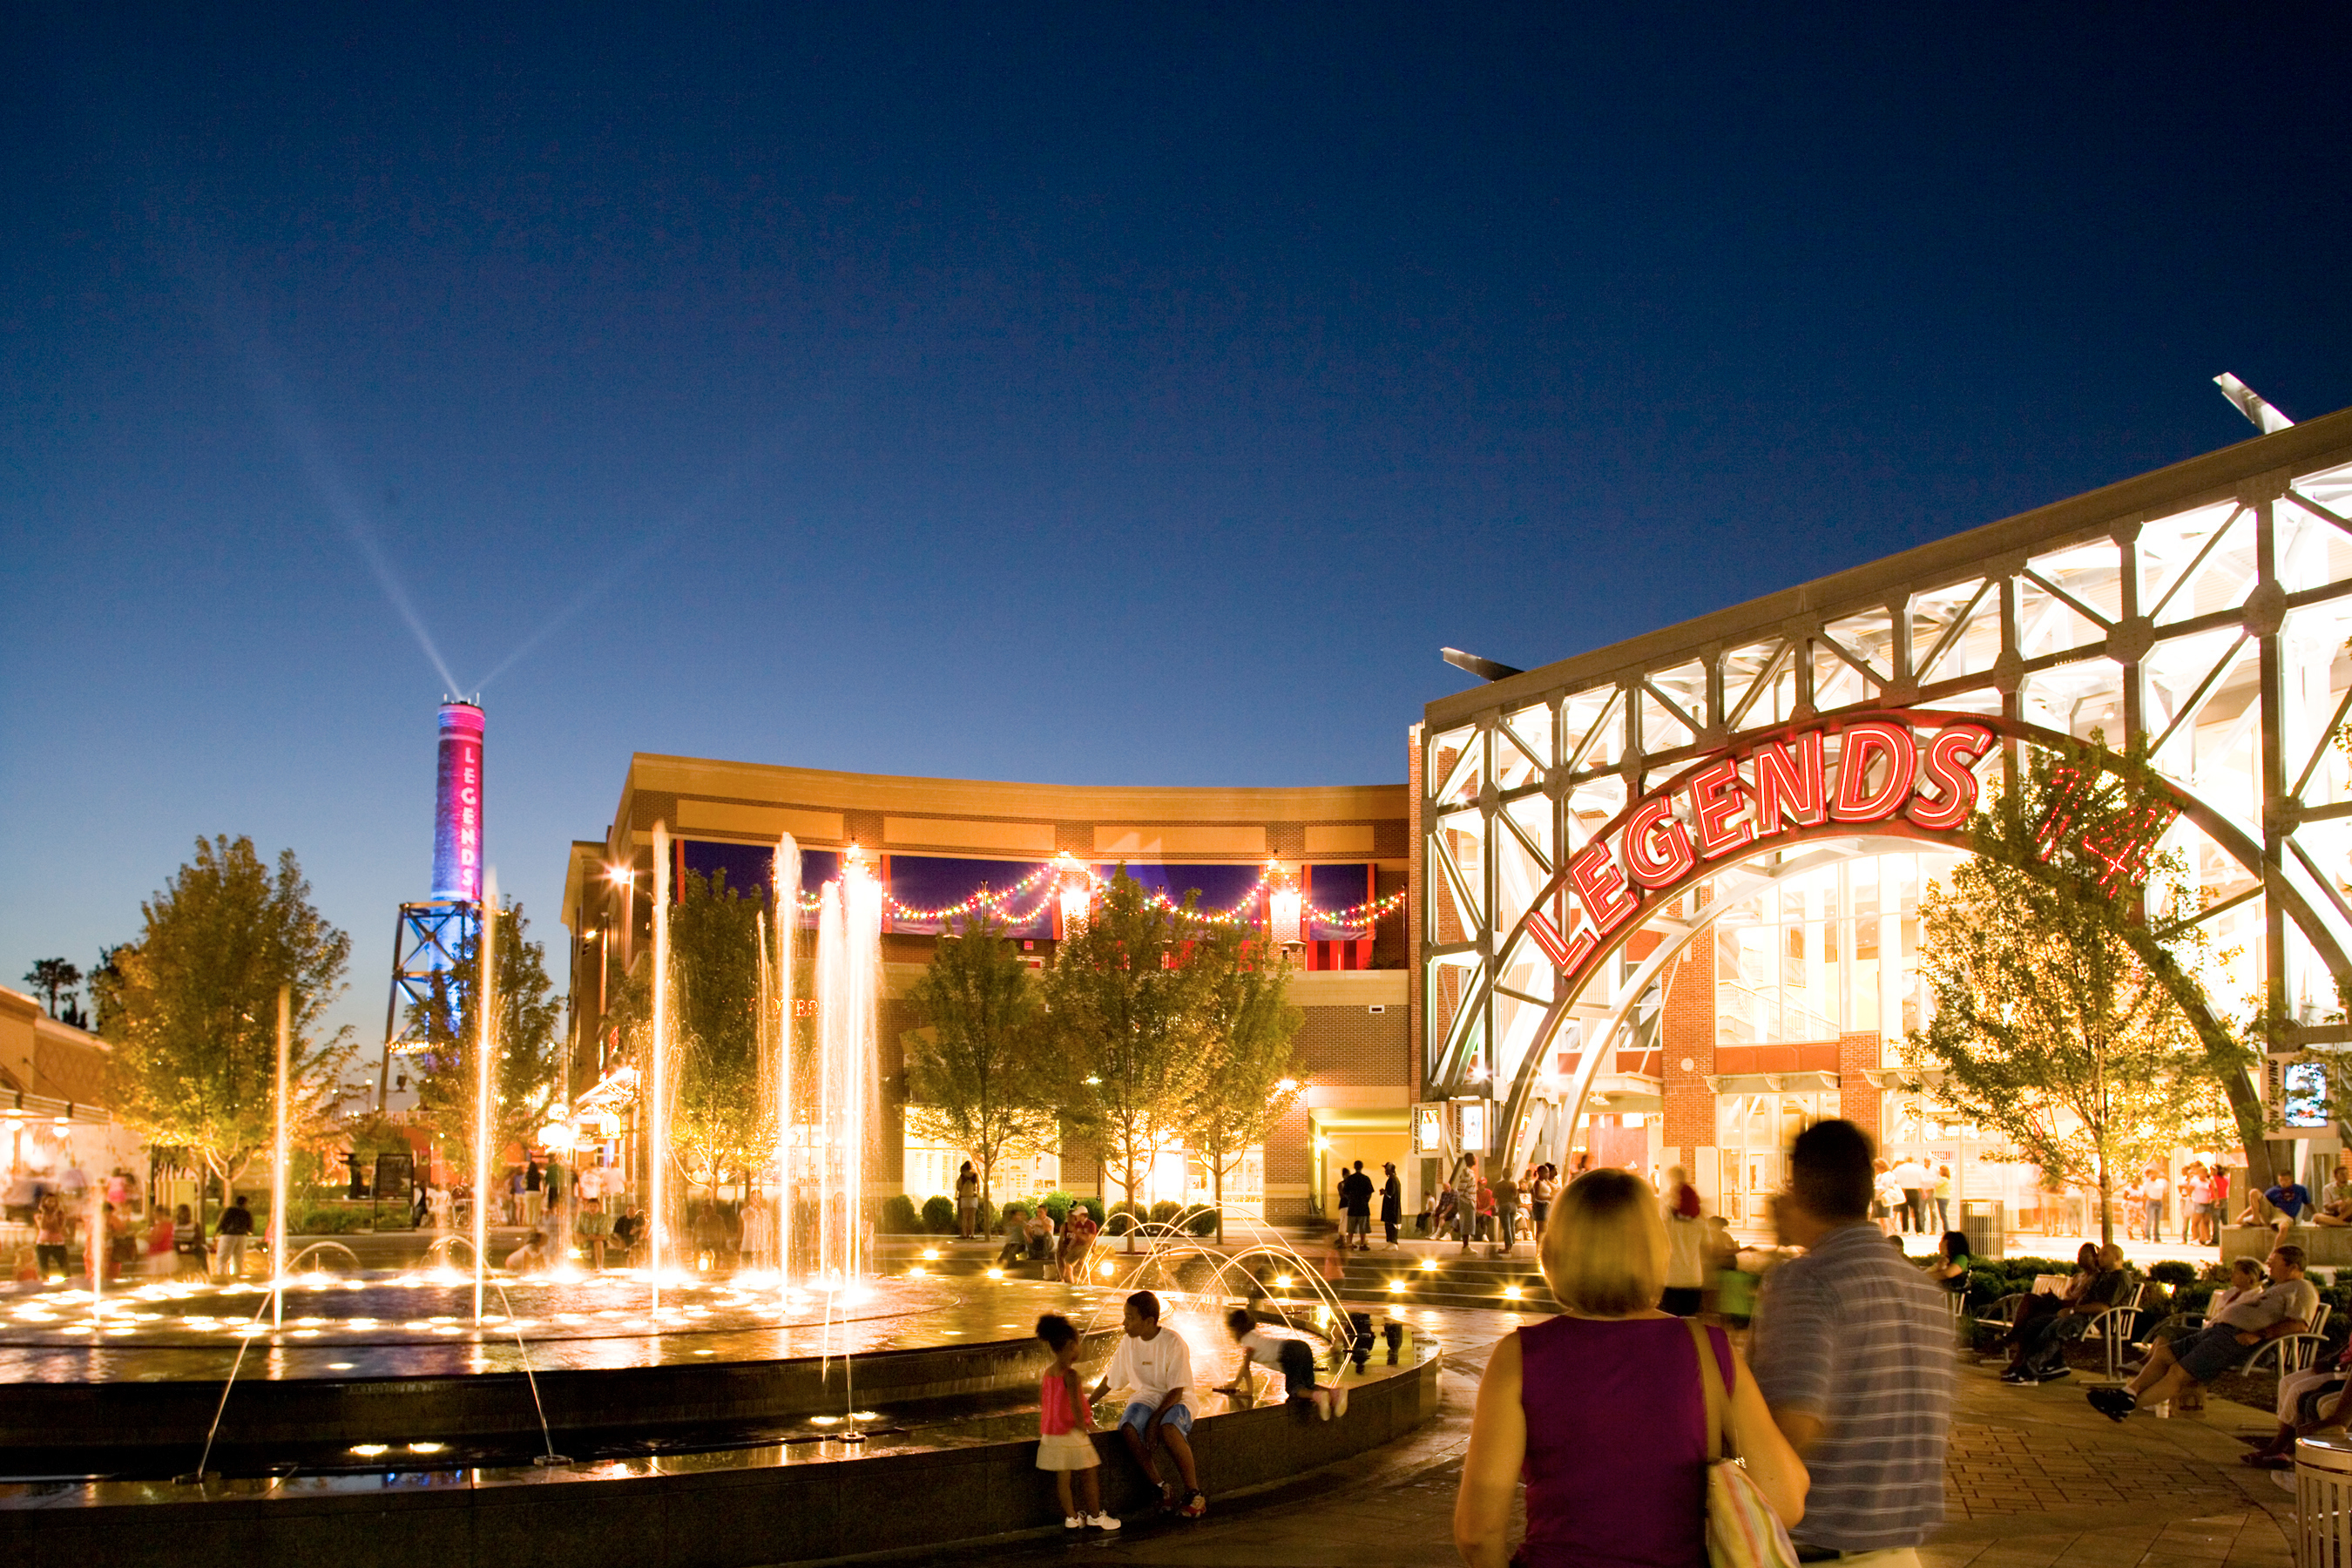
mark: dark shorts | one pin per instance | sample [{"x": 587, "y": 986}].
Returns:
[{"x": 2210, "y": 1351}]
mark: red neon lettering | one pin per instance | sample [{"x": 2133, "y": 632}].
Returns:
[
  {"x": 2125, "y": 845},
  {"x": 1657, "y": 846},
  {"x": 1601, "y": 886},
  {"x": 1715, "y": 798},
  {"x": 1566, "y": 956},
  {"x": 1856, "y": 800},
  {"x": 1947, "y": 763},
  {"x": 1789, "y": 778},
  {"x": 2066, "y": 788}
]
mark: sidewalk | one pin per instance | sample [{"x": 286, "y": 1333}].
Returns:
[{"x": 2035, "y": 1478}]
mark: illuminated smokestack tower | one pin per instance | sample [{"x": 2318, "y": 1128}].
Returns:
[
  {"x": 458, "y": 806},
  {"x": 430, "y": 939}
]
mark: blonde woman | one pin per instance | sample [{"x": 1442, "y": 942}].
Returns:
[{"x": 1601, "y": 1408}]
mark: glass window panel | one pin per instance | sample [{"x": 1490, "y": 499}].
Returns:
[
  {"x": 2311, "y": 552},
  {"x": 2198, "y": 561},
  {"x": 2079, "y": 699},
  {"x": 1592, "y": 730},
  {"x": 2048, "y": 624},
  {"x": 1836, "y": 683},
  {"x": 2331, "y": 488},
  {"x": 2091, "y": 573},
  {"x": 1869, "y": 636},
  {"x": 1955, "y": 631}
]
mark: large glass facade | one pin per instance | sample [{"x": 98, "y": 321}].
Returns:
[{"x": 1826, "y": 952}]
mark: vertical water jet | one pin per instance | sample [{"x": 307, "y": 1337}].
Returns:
[
  {"x": 486, "y": 1008},
  {"x": 786, "y": 886},
  {"x": 279, "y": 1155},
  {"x": 656, "y": 1091}
]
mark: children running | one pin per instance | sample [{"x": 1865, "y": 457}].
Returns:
[
  {"x": 1290, "y": 1357},
  {"x": 1066, "y": 1444}
]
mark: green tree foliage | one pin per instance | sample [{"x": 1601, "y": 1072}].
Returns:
[
  {"x": 193, "y": 1011},
  {"x": 720, "y": 1132},
  {"x": 1123, "y": 1004},
  {"x": 974, "y": 1079},
  {"x": 2061, "y": 1022},
  {"x": 1246, "y": 1028},
  {"x": 527, "y": 1075}
]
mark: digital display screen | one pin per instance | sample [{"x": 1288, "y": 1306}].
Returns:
[{"x": 2305, "y": 1095}]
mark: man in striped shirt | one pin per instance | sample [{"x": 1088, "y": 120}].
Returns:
[{"x": 1853, "y": 1352}]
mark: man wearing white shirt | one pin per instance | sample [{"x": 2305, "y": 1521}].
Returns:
[
  {"x": 1914, "y": 1180},
  {"x": 1154, "y": 1365}
]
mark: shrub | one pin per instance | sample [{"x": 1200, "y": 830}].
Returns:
[
  {"x": 1124, "y": 1217},
  {"x": 334, "y": 1220},
  {"x": 2173, "y": 1272},
  {"x": 939, "y": 1214},
  {"x": 1203, "y": 1223},
  {"x": 1165, "y": 1211},
  {"x": 985, "y": 1221},
  {"x": 1056, "y": 1205},
  {"x": 899, "y": 1215}
]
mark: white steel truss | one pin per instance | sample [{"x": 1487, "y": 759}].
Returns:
[{"x": 2206, "y": 607}]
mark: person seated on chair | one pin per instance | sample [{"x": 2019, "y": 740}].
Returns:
[
  {"x": 2308, "y": 1402},
  {"x": 2037, "y": 1347},
  {"x": 2285, "y": 1306},
  {"x": 2245, "y": 1279},
  {"x": 1014, "y": 1227},
  {"x": 1949, "y": 1266},
  {"x": 1037, "y": 1231}
]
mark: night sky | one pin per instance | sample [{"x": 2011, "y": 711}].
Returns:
[{"x": 1101, "y": 395}]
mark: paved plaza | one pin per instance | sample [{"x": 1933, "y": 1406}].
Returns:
[{"x": 2035, "y": 1478}]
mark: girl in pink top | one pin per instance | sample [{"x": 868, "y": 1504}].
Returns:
[{"x": 1066, "y": 1444}]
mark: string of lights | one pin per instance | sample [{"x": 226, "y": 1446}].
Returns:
[{"x": 1361, "y": 916}]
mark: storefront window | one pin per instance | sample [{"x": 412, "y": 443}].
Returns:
[{"x": 1824, "y": 953}]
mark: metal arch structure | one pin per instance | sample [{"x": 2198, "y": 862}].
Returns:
[{"x": 2206, "y": 606}]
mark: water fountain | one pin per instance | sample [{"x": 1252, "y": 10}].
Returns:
[{"x": 660, "y": 1377}]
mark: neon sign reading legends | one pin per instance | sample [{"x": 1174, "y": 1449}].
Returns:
[{"x": 1806, "y": 783}]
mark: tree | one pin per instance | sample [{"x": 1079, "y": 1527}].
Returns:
[
  {"x": 193, "y": 1014},
  {"x": 974, "y": 1078},
  {"x": 524, "y": 1081},
  {"x": 1121, "y": 1006},
  {"x": 105, "y": 988},
  {"x": 718, "y": 1128},
  {"x": 52, "y": 978},
  {"x": 1245, "y": 1028},
  {"x": 2050, "y": 1024}
]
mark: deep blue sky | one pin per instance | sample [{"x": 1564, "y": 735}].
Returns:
[{"x": 1103, "y": 395}]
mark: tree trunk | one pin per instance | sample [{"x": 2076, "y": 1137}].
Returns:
[
  {"x": 1217, "y": 1187},
  {"x": 1127, "y": 1186},
  {"x": 2106, "y": 1201}
]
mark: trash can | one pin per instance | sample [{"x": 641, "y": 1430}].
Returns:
[
  {"x": 2322, "y": 1502},
  {"x": 1985, "y": 1222}
]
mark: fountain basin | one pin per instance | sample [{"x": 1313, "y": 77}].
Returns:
[
  {"x": 391, "y": 1361},
  {"x": 766, "y": 1504}
]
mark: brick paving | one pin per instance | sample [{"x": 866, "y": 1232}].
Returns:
[{"x": 2035, "y": 1478}]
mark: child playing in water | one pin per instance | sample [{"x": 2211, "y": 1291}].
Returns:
[
  {"x": 1066, "y": 1444},
  {"x": 1290, "y": 1357}
]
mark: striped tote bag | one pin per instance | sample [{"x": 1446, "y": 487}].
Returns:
[{"x": 1742, "y": 1531}]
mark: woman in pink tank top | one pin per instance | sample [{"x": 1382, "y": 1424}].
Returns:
[{"x": 1601, "y": 1409}]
